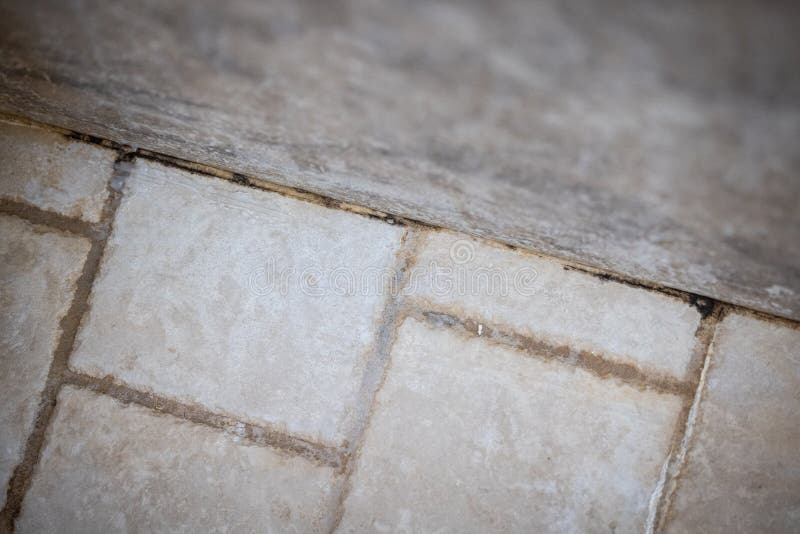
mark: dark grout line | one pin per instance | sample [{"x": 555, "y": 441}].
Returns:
[
  {"x": 661, "y": 500},
  {"x": 599, "y": 365},
  {"x": 701, "y": 302},
  {"x": 703, "y": 335},
  {"x": 273, "y": 187},
  {"x": 377, "y": 367},
  {"x": 69, "y": 324},
  {"x": 255, "y": 434},
  {"x": 51, "y": 219}
]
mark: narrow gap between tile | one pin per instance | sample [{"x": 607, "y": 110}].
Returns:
[
  {"x": 254, "y": 434},
  {"x": 377, "y": 367},
  {"x": 599, "y": 365},
  {"x": 664, "y": 491},
  {"x": 23, "y": 473}
]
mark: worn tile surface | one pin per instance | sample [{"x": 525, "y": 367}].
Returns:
[
  {"x": 743, "y": 470},
  {"x": 47, "y": 170},
  {"x": 539, "y": 298},
  {"x": 471, "y": 437},
  {"x": 38, "y": 271},
  {"x": 652, "y": 139},
  {"x": 108, "y": 467},
  {"x": 183, "y": 304}
]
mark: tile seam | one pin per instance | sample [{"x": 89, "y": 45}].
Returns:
[
  {"x": 599, "y": 365},
  {"x": 691, "y": 298},
  {"x": 664, "y": 492},
  {"x": 372, "y": 383},
  {"x": 255, "y": 434},
  {"x": 50, "y": 219},
  {"x": 69, "y": 324}
]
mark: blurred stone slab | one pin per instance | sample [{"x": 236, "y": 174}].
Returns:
[
  {"x": 743, "y": 470},
  {"x": 655, "y": 140},
  {"x": 468, "y": 436},
  {"x": 108, "y": 467},
  {"x": 519, "y": 292},
  {"x": 53, "y": 173},
  {"x": 227, "y": 296},
  {"x": 38, "y": 271}
]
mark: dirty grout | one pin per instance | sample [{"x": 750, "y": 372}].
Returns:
[
  {"x": 599, "y": 365},
  {"x": 666, "y": 488},
  {"x": 23, "y": 473},
  {"x": 377, "y": 367},
  {"x": 260, "y": 435},
  {"x": 51, "y": 219}
]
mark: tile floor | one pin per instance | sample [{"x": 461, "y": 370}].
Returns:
[{"x": 182, "y": 351}]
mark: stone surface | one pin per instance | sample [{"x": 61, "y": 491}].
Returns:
[
  {"x": 107, "y": 467},
  {"x": 471, "y": 437},
  {"x": 652, "y": 139},
  {"x": 38, "y": 271},
  {"x": 743, "y": 470},
  {"x": 539, "y": 298},
  {"x": 183, "y": 304},
  {"x": 53, "y": 173}
]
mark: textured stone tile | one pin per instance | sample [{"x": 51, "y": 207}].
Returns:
[
  {"x": 625, "y": 135},
  {"x": 53, "y": 173},
  {"x": 108, "y": 467},
  {"x": 471, "y": 437},
  {"x": 38, "y": 270},
  {"x": 183, "y": 306},
  {"x": 743, "y": 470},
  {"x": 538, "y": 297}
]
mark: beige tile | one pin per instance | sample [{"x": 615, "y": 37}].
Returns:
[
  {"x": 743, "y": 469},
  {"x": 47, "y": 170},
  {"x": 467, "y": 436},
  {"x": 538, "y": 297},
  {"x": 182, "y": 305},
  {"x": 108, "y": 467},
  {"x": 38, "y": 270}
]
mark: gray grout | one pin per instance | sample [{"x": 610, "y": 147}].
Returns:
[{"x": 378, "y": 364}]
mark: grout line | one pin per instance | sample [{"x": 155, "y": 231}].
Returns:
[
  {"x": 274, "y": 187},
  {"x": 377, "y": 366},
  {"x": 599, "y": 365},
  {"x": 260, "y": 435},
  {"x": 661, "y": 498},
  {"x": 704, "y": 335},
  {"x": 701, "y": 302},
  {"x": 23, "y": 473},
  {"x": 51, "y": 219}
]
